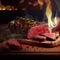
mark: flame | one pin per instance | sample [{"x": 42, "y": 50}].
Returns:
[
  {"x": 55, "y": 21},
  {"x": 48, "y": 11},
  {"x": 49, "y": 14},
  {"x": 51, "y": 24},
  {"x": 40, "y": 2}
]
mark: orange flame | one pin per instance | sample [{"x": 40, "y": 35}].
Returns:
[{"x": 40, "y": 2}]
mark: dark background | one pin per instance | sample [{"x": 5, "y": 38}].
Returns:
[
  {"x": 7, "y": 16},
  {"x": 32, "y": 12}
]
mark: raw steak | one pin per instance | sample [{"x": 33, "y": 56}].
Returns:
[
  {"x": 36, "y": 30},
  {"x": 39, "y": 38},
  {"x": 50, "y": 36}
]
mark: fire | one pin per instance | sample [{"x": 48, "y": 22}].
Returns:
[
  {"x": 49, "y": 15},
  {"x": 40, "y": 2},
  {"x": 55, "y": 21},
  {"x": 51, "y": 24}
]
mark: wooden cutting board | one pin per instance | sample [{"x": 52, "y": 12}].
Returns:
[{"x": 41, "y": 44}]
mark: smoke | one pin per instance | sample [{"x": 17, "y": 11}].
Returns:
[{"x": 29, "y": 16}]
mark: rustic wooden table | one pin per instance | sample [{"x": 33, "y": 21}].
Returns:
[{"x": 33, "y": 50}]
